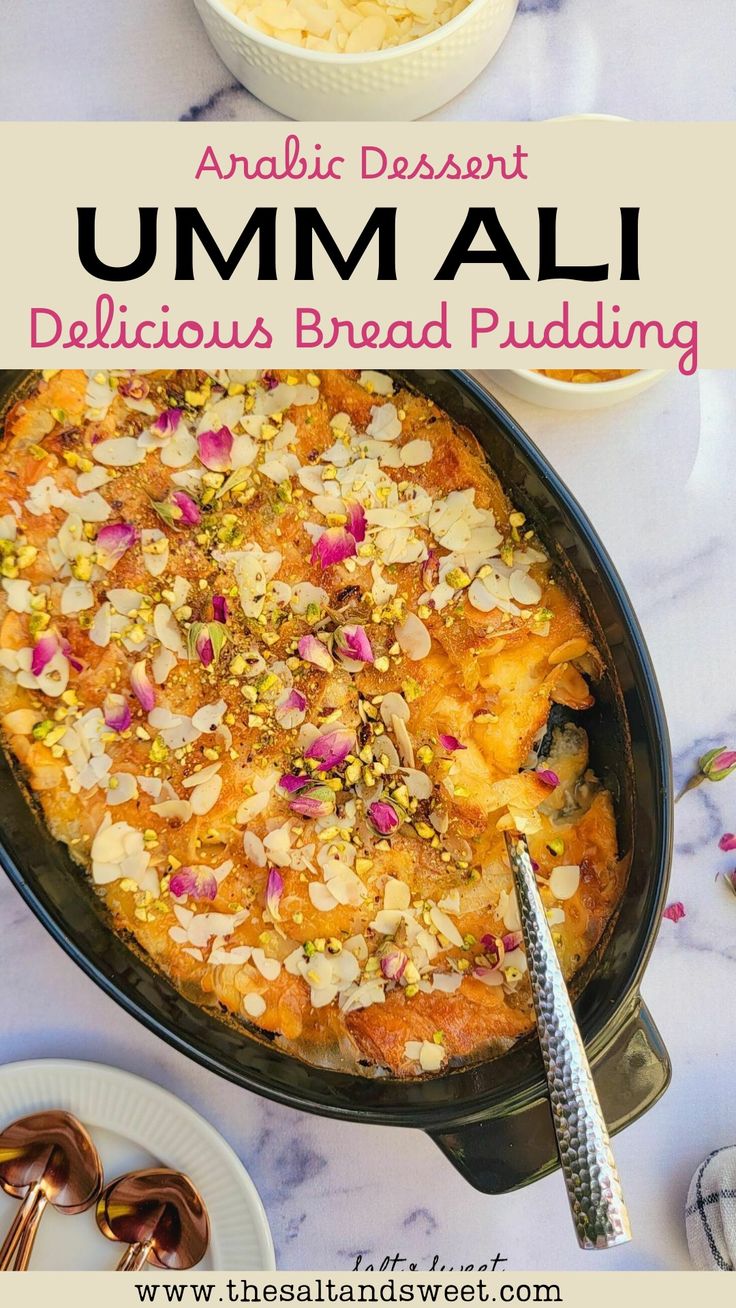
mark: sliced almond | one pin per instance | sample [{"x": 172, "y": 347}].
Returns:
[{"x": 568, "y": 650}]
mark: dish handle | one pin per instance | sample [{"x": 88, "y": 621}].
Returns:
[{"x": 506, "y": 1152}]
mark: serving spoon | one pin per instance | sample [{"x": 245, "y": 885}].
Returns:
[
  {"x": 588, "y": 1166},
  {"x": 45, "y": 1158},
  {"x": 159, "y": 1215}
]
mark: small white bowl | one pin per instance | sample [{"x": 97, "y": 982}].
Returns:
[
  {"x": 402, "y": 83},
  {"x": 554, "y": 394}
]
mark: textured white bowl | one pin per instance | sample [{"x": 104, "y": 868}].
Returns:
[
  {"x": 554, "y": 394},
  {"x": 383, "y": 85}
]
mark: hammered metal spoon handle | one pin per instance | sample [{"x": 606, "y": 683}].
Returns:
[{"x": 588, "y": 1166}]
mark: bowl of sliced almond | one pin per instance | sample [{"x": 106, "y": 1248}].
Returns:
[{"x": 372, "y": 60}]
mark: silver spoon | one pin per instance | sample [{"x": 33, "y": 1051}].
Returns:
[{"x": 588, "y": 1166}]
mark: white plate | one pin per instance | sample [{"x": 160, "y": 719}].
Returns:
[{"x": 135, "y": 1124}]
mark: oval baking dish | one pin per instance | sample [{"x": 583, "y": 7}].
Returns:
[{"x": 491, "y": 1118}]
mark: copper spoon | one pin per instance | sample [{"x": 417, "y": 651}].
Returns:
[
  {"x": 159, "y": 1215},
  {"x": 46, "y": 1158},
  {"x": 588, "y": 1166}
]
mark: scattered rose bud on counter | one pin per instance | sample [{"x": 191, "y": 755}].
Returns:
[{"x": 716, "y": 765}]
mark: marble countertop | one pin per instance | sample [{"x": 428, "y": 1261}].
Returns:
[
  {"x": 656, "y": 477},
  {"x": 150, "y": 59}
]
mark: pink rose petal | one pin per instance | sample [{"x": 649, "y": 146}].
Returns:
[
  {"x": 313, "y": 650},
  {"x": 450, "y": 743},
  {"x": 142, "y": 686},
  {"x": 167, "y": 422},
  {"x": 430, "y": 571},
  {"x": 215, "y": 449},
  {"x": 66, "y": 650},
  {"x": 274, "y": 891},
  {"x": 116, "y": 712},
  {"x": 549, "y": 777},
  {"x": 289, "y": 711},
  {"x": 674, "y": 911},
  {"x": 291, "y": 783},
  {"x": 194, "y": 882},
  {"x": 43, "y": 652},
  {"x": 352, "y": 645},
  {"x": 334, "y": 545},
  {"x": 332, "y": 747},
  {"x": 356, "y": 520},
  {"x": 189, "y": 512},
  {"x": 220, "y": 608},
  {"x": 113, "y": 542}
]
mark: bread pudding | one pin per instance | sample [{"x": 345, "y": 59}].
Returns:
[{"x": 280, "y": 662}]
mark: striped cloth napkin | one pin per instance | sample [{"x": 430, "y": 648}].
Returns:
[{"x": 710, "y": 1213}]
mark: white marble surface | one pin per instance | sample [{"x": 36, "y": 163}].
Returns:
[
  {"x": 657, "y": 478},
  {"x": 146, "y": 59}
]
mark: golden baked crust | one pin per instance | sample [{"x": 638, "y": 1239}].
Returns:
[{"x": 277, "y": 655}]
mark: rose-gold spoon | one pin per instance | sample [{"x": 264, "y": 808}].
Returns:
[
  {"x": 159, "y": 1215},
  {"x": 46, "y": 1158}
]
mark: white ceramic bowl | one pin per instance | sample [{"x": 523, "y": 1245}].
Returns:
[
  {"x": 554, "y": 394},
  {"x": 383, "y": 85}
]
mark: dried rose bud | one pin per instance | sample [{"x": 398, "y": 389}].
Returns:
[
  {"x": 716, "y": 765},
  {"x": 205, "y": 640},
  {"x": 313, "y": 802},
  {"x": 384, "y": 816}
]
